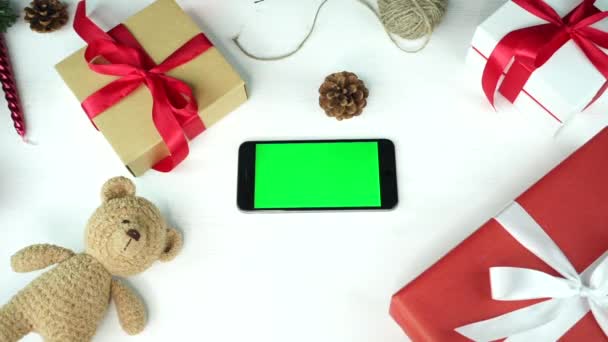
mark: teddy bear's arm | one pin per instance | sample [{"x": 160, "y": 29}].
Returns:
[
  {"x": 37, "y": 257},
  {"x": 131, "y": 309}
]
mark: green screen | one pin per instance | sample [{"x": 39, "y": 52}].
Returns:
[{"x": 317, "y": 175}]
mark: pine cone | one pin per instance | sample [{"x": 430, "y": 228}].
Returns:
[
  {"x": 46, "y": 15},
  {"x": 343, "y": 95}
]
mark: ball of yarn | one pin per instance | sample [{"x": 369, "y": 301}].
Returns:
[{"x": 411, "y": 19}]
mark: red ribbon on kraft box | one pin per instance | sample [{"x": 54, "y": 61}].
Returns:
[{"x": 118, "y": 53}]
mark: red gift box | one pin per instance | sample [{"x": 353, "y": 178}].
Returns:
[{"x": 571, "y": 206}]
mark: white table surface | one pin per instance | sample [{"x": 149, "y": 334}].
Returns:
[{"x": 281, "y": 277}]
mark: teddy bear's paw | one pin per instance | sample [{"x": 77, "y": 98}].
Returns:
[
  {"x": 133, "y": 321},
  {"x": 135, "y": 325},
  {"x": 37, "y": 257},
  {"x": 131, "y": 309}
]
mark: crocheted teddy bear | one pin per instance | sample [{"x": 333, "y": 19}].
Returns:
[{"x": 125, "y": 236}]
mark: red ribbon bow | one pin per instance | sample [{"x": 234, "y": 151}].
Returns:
[
  {"x": 532, "y": 47},
  {"x": 174, "y": 109}
]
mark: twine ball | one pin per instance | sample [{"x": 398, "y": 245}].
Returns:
[{"x": 411, "y": 19}]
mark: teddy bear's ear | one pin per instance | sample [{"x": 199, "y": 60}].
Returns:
[
  {"x": 117, "y": 187},
  {"x": 173, "y": 245}
]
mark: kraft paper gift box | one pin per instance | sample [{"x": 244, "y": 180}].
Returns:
[
  {"x": 566, "y": 84},
  {"x": 160, "y": 29},
  {"x": 570, "y": 205}
]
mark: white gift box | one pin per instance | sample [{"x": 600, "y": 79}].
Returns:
[{"x": 562, "y": 87}]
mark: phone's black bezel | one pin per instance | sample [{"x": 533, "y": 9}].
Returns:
[{"x": 246, "y": 175}]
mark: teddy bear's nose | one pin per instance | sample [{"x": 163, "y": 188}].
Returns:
[{"x": 133, "y": 234}]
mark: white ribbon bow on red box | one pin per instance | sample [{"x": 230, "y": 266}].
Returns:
[{"x": 572, "y": 296}]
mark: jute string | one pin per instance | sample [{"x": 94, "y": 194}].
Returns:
[{"x": 408, "y": 19}]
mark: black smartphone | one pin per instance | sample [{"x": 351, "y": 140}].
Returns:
[{"x": 317, "y": 175}]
